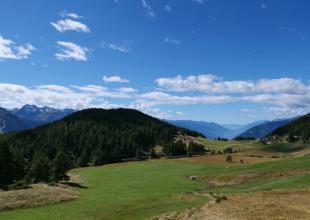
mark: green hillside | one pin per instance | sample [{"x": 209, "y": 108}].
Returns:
[
  {"x": 297, "y": 130},
  {"x": 93, "y": 136}
]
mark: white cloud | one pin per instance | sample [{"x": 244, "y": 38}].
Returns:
[
  {"x": 149, "y": 10},
  {"x": 286, "y": 112},
  {"x": 180, "y": 113},
  {"x": 71, "y": 50},
  {"x": 9, "y": 50},
  {"x": 283, "y": 96},
  {"x": 111, "y": 79},
  {"x": 126, "y": 90},
  {"x": 160, "y": 98},
  {"x": 120, "y": 48},
  {"x": 281, "y": 85},
  {"x": 172, "y": 41},
  {"x": 79, "y": 97},
  {"x": 65, "y": 14},
  {"x": 208, "y": 83},
  {"x": 168, "y": 8},
  {"x": 70, "y": 25}
]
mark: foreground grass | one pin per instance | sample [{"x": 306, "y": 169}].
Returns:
[
  {"x": 125, "y": 191},
  {"x": 140, "y": 190}
]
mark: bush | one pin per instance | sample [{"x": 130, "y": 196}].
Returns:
[
  {"x": 228, "y": 158},
  {"x": 228, "y": 150},
  {"x": 153, "y": 154}
]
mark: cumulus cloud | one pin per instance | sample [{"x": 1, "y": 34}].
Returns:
[
  {"x": 79, "y": 97},
  {"x": 208, "y": 83},
  {"x": 283, "y": 96},
  {"x": 160, "y": 98},
  {"x": 126, "y": 90},
  {"x": 281, "y": 93},
  {"x": 9, "y": 50},
  {"x": 71, "y": 50},
  {"x": 113, "y": 79},
  {"x": 70, "y": 25},
  {"x": 148, "y": 8}
]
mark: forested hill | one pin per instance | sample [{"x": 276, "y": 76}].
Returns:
[
  {"x": 94, "y": 136},
  {"x": 297, "y": 130}
]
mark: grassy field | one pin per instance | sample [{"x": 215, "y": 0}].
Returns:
[
  {"x": 139, "y": 190},
  {"x": 221, "y": 145}
]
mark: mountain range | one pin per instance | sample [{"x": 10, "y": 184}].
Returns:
[
  {"x": 213, "y": 130},
  {"x": 9, "y": 122},
  {"x": 261, "y": 130},
  {"x": 29, "y": 116}
]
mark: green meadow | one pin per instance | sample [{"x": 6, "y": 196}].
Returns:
[{"x": 139, "y": 190}]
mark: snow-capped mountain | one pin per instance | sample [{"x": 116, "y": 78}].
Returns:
[
  {"x": 41, "y": 115},
  {"x": 29, "y": 116}
]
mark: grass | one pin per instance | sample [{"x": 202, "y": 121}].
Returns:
[
  {"x": 125, "y": 191},
  {"x": 140, "y": 190},
  {"x": 284, "y": 147},
  {"x": 221, "y": 145}
]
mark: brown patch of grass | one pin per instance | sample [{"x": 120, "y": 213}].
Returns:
[
  {"x": 241, "y": 178},
  {"x": 279, "y": 204},
  {"x": 36, "y": 195},
  {"x": 236, "y": 158}
]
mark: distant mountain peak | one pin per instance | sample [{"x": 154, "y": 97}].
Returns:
[{"x": 29, "y": 116}]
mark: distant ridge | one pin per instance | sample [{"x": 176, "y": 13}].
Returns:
[
  {"x": 29, "y": 116},
  {"x": 213, "y": 130},
  {"x": 209, "y": 129},
  {"x": 264, "y": 129},
  {"x": 41, "y": 115},
  {"x": 9, "y": 122}
]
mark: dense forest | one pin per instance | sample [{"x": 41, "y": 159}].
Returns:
[
  {"x": 297, "y": 130},
  {"x": 88, "y": 137}
]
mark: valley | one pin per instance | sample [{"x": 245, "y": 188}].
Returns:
[
  {"x": 154, "y": 110},
  {"x": 188, "y": 187}
]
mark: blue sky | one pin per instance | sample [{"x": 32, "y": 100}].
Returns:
[{"x": 215, "y": 60}]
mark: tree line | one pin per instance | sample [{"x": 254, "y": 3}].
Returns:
[{"x": 297, "y": 130}]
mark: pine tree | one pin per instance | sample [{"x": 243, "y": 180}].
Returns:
[
  {"x": 60, "y": 165},
  {"x": 6, "y": 165},
  {"x": 40, "y": 169}
]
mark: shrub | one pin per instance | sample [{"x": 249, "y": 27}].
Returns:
[{"x": 228, "y": 158}]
